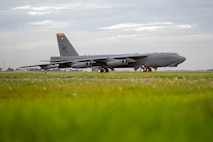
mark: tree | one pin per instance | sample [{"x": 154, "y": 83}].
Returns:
[{"x": 10, "y": 69}]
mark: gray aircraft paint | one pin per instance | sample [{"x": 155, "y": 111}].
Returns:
[
  {"x": 70, "y": 58},
  {"x": 65, "y": 47}
]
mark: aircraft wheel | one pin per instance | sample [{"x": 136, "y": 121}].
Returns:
[
  {"x": 106, "y": 70},
  {"x": 100, "y": 70},
  {"x": 145, "y": 69},
  {"x": 149, "y": 69}
]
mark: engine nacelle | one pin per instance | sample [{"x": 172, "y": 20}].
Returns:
[
  {"x": 46, "y": 67},
  {"x": 81, "y": 65},
  {"x": 115, "y": 63}
]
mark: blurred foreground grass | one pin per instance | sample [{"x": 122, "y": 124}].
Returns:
[{"x": 116, "y": 106}]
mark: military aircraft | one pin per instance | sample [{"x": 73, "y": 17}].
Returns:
[{"x": 69, "y": 58}]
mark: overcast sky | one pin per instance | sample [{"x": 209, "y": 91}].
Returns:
[{"x": 28, "y": 29}]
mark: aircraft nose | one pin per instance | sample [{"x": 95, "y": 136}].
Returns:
[{"x": 181, "y": 59}]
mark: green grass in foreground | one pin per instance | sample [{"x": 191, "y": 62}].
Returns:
[{"x": 96, "y": 107}]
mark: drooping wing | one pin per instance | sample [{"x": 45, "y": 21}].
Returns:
[
  {"x": 93, "y": 60},
  {"x": 108, "y": 61},
  {"x": 98, "y": 58},
  {"x": 43, "y": 66},
  {"x": 104, "y": 58}
]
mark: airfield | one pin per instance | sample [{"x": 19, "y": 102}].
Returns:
[{"x": 103, "y": 107}]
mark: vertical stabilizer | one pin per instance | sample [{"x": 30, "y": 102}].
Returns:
[{"x": 65, "y": 47}]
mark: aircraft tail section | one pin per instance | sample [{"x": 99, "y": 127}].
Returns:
[{"x": 65, "y": 47}]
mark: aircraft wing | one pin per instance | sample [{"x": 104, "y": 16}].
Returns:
[
  {"x": 111, "y": 61},
  {"x": 43, "y": 66},
  {"x": 132, "y": 56},
  {"x": 108, "y": 61},
  {"x": 103, "y": 58},
  {"x": 108, "y": 57}
]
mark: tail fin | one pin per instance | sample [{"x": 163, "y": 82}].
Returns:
[{"x": 65, "y": 47}]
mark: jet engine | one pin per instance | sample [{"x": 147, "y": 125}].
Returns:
[
  {"x": 51, "y": 66},
  {"x": 115, "y": 63},
  {"x": 81, "y": 65}
]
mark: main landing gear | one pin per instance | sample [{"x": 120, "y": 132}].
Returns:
[
  {"x": 102, "y": 69},
  {"x": 147, "y": 69}
]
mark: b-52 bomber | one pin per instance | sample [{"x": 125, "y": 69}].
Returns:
[{"x": 69, "y": 58}]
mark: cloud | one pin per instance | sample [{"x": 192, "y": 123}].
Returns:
[
  {"x": 44, "y": 10},
  {"x": 147, "y": 30},
  {"x": 149, "y": 27},
  {"x": 22, "y": 7},
  {"x": 48, "y": 24},
  {"x": 40, "y": 13},
  {"x": 184, "y": 26},
  {"x": 127, "y": 36},
  {"x": 121, "y": 26},
  {"x": 40, "y": 10},
  {"x": 80, "y": 5},
  {"x": 43, "y": 23},
  {"x": 153, "y": 26}
]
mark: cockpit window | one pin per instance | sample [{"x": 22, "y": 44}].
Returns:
[{"x": 174, "y": 54}]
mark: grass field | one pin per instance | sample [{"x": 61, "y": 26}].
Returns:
[{"x": 106, "y": 107}]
